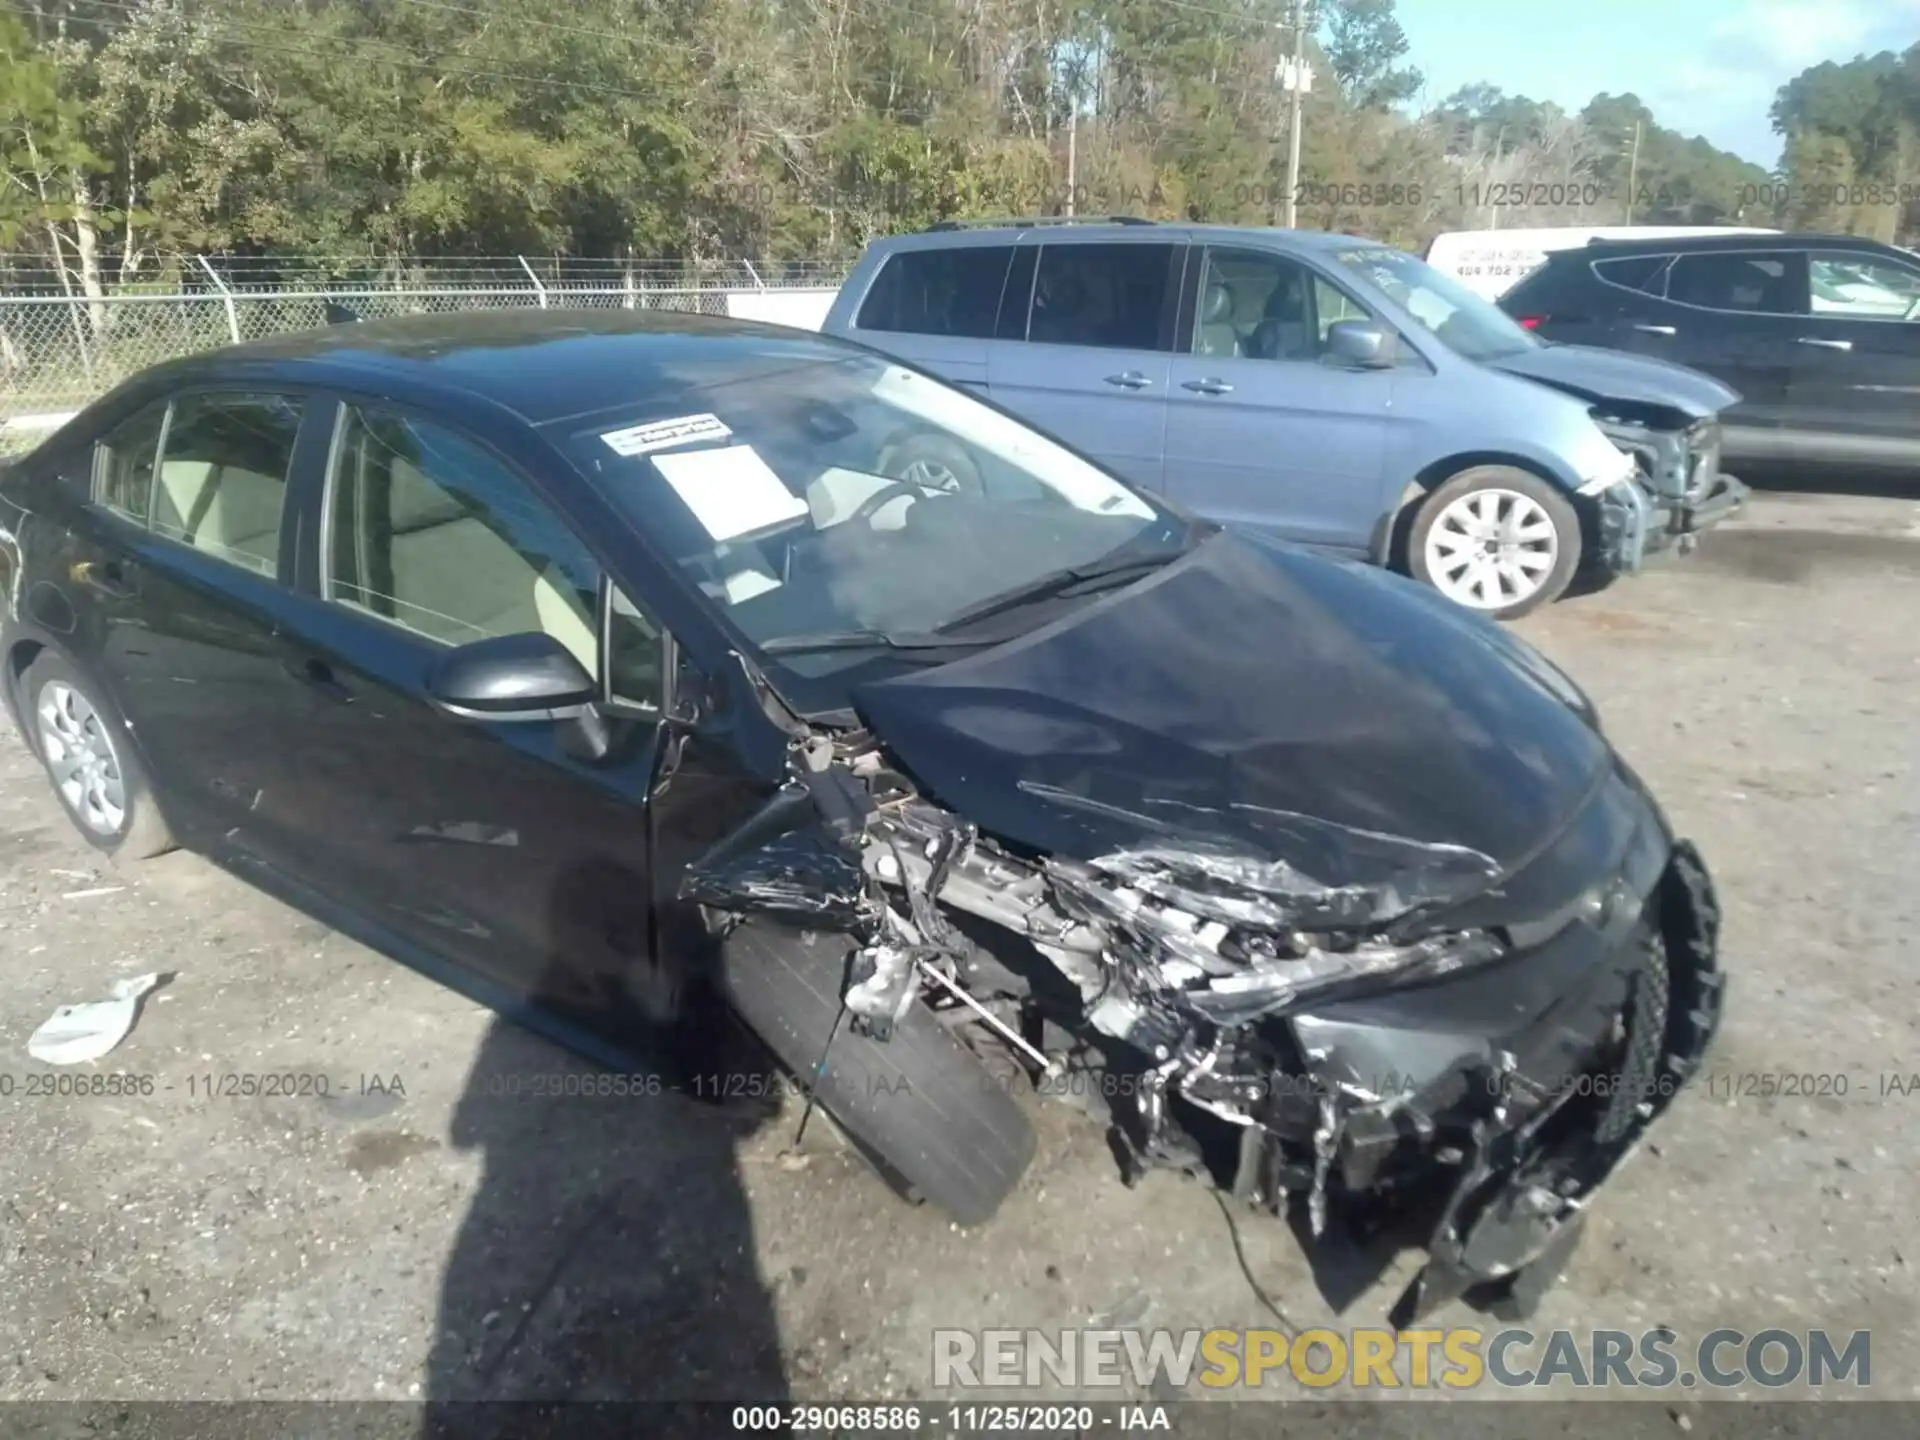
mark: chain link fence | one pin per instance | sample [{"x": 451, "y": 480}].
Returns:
[{"x": 58, "y": 350}]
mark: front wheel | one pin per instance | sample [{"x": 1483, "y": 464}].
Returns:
[
  {"x": 1496, "y": 539},
  {"x": 919, "y": 1106}
]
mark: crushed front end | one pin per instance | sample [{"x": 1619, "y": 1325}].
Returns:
[
  {"x": 1325, "y": 1021},
  {"x": 1679, "y": 490}
]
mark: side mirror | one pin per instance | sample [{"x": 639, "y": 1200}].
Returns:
[
  {"x": 1359, "y": 345},
  {"x": 511, "y": 677}
]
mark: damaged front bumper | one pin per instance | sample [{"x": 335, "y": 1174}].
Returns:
[
  {"x": 1374, "y": 1031},
  {"x": 1507, "y": 1151},
  {"x": 1678, "y": 493}
]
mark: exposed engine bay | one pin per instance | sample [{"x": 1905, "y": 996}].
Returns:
[{"x": 1189, "y": 964}]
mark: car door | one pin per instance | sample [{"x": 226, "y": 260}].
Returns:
[
  {"x": 936, "y": 307},
  {"x": 509, "y": 847},
  {"x": 1854, "y": 396},
  {"x": 1734, "y": 314},
  {"x": 1088, "y": 358},
  {"x": 1261, "y": 430},
  {"x": 178, "y": 572}
]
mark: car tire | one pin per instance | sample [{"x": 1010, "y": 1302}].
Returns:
[
  {"x": 1496, "y": 539},
  {"x": 920, "y": 1107},
  {"x": 933, "y": 462},
  {"x": 91, "y": 760}
]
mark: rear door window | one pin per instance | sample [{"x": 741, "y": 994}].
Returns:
[
  {"x": 123, "y": 464},
  {"x": 222, "y": 481},
  {"x": 1756, "y": 282},
  {"x": 953, "y": 291},
  {"x": 1112, "y": 296}
]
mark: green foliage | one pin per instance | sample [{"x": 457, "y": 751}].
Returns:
[
  {"x": 384, "y": 131},
  {"x": 42, "y": 140},
  {"x": 1852, "y": 156}
]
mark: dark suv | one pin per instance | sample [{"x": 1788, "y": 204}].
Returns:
[{"x": 1820, "y": 334}]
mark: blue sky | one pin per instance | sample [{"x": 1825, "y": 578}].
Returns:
[{"x": 1705, "y": 67}]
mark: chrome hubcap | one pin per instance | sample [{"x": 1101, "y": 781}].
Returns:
[
  {"x": 1491, "y": 549},
  {"x": 79, "y": 753}
]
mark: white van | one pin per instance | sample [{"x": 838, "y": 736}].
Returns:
[{"x": 1490, "y": 262}]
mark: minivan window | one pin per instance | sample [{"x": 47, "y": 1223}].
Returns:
[
  {"x": 1753, "y": 281},
  {"x": 1255, "y": 305},
  {"x": 952, "y": 291},
  {"x": 1113, "y": 296},
  {"x": 1644, "y": 273},
  {"x": 1862, "y": 287},
  {"x": 1466, "y": 324},
  {"x": 222, "y": 481}
]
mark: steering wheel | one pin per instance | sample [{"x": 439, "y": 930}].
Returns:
[{"x": 885, "y": 496}]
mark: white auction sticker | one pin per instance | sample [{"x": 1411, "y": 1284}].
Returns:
[
  {"x": 731, "y": 492},
  {"x": 664, "y": 434}
]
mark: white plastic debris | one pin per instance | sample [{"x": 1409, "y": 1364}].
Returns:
[{"x": 74, "y": 1034}]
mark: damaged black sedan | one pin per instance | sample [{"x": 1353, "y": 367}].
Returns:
[{"x": 605, "y": 663}]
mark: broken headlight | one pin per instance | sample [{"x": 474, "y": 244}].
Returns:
[{"x": 1602, "y": 460}]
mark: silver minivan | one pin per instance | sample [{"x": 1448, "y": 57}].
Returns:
[{"x": 1329, "y": 390}]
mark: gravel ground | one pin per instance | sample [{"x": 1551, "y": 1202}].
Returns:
[{"x": 415, "y": 1233}]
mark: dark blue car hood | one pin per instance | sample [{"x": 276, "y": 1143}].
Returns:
[{"x": 1244, "y": 680}]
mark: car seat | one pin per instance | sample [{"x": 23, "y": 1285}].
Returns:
[
  {"x": 1218, "y": 334},
  {"x": 1285, "y": 331}
]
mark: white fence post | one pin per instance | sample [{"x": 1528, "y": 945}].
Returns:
[
  {"x": 538, "y": 288},
  {"x": 226, "y": 296}
]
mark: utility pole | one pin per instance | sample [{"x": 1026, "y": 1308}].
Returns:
[
  {"x": 1633, "y": 169},
  {"x": 1296, "y": 81},
  {"x": 1073, "y": 118}
]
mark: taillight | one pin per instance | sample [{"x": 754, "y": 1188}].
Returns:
[{"x": 1530, "y": 322}]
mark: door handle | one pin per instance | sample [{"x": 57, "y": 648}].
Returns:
[
  {"x": 1208, "y": 386},
  {"x": 1655, "y": 329},
  {"x": 1129, "y": 380},
  {"x": 108, "y": 577},
  {"x": 1824, "y": 343},
  {"x": 319, "y": 674}
]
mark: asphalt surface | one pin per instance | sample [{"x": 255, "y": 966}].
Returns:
[{"x": 420, "y": 1231}]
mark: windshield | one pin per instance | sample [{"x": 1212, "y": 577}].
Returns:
[
  {"x": 854, "y": 497},
  {"x": 1443, "y": 307}
]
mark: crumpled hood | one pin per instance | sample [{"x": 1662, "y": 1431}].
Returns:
[
  {"x": 1597, "y": 376},
  {"x": 1279, "y": 703}
]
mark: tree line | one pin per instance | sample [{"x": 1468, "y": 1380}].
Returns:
[{"x": 133, "y": 132}]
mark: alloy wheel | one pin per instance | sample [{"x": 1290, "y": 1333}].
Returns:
[
  {"x": 930, "y": 475},
  {"x": 1491, "y": 548},
  {"x": 80, "y": 753}
]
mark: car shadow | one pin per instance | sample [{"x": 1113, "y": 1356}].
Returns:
[{"x": 608, "y": 1252}]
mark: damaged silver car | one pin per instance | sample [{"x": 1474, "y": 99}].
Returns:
[{"x": 608, "y": 664}]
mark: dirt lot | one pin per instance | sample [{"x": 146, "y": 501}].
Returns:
[{"x": 455, "y": 1241}]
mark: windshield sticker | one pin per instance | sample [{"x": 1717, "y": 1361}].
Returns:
[
  {"x": 731, "y": 492},
  {"x": 665, "y": 434}
]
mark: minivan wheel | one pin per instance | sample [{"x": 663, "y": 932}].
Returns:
[
  {"x": 937, "y": 464},
  {"x": 90, "y": 758},
  {"x": 1496, "y": 539},
  {"x": 919, "y": 1106}
]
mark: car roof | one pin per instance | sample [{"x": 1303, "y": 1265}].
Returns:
[
  {"x": 1740, "y": 240},
  {"x": 543, "y": 365},
  {"x": 1090, "y": 231}
]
